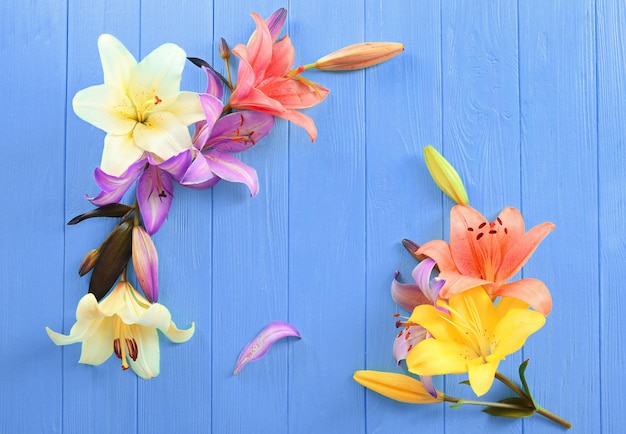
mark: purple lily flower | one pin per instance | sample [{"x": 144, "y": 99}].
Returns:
[
  {"x": 261, "y": 344},
  {"x": 217, "y": 138},
  {"x": 424, "y": 291}
]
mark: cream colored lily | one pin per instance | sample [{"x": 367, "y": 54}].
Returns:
[
  {"x": 124, "y": 322},
  {"x": 140, "y": 105}
]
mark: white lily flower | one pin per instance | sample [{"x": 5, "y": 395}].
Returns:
[
  {"x": 124, "y": 322},
  {"x": 140, "y": 105}
]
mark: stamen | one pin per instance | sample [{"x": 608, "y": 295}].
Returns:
[
  {"x": 479, "y": 236},
  {"x": 470, "y": 229},
  {"x": 482, "y": 225},
  {"x": 493, "y": 231},
  {"x": 499, "y": 221},
  {"x": 157, "y": 100},
  {"x": 133, "y": 350},
  {"x": 117, "y": 348}
]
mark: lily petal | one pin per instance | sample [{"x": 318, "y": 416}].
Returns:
[
  {"x": 407, "y": 295},
  {"x": 162, "y": 134},
  {"x": 117, "y": 62},
  {"x": 212, "y": 108},
  {"x": 481, "y": 376},
  {"x": 532, "y": 291},
  {"x": 434, "y": 357},
  {"x": 406, "y": 340},
  {"x": 397, "y": 386},
  {"x": 198, "y": 173},
  {"x": 275, "y": 22},
  {"x": 97, "y": 347},
  {"x": 105, "y": 107},
  {"x": 231, "y": 169},
  {"x": 214, "y": 85},
  {"x": 237, "y": 132},
  {"x": 155, "y": 192},
  {"x": 513, "y": 330},
  {"x": 114, "y": 187},
  {"x": 187, "y": 108},
  {"x": 119, "y": 153},
  {"x": 438, "y": 250},
  {"x": 263, "y": 342}
]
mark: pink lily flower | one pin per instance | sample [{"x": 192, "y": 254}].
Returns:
[
  {"x": 267, "y": 83},
  {"x": 488, "y": 254}
]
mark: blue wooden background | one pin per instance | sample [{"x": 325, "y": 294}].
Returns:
[{"x": 526, "y": 98}]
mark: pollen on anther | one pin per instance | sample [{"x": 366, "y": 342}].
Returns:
[
  {"x": 482, "y": 225},
  {"x": 479, "y": 236},
  {"x": 470, "y": 229},
  {"x": 396, "y": 315},
  {"x": 157, "y": 100},
  {"x": 506, "y": 231},
  {"x": 493, "y": 231},
  {"x": 499, "y": 220}
]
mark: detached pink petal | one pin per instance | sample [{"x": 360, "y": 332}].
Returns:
[{"x": 261, "y": 344}]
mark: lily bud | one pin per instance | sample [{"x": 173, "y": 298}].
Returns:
[
  {"x": 146, "y": 263},
  {"x": 397, "y": 386},
  {"x": 89, "y": 261},
  {"x": 444, "y": 175},
  {"x": 359, "y": 56},
  {"x": 224, "y": 49}
]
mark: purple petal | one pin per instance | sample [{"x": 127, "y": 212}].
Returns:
[
  {"x": 212, "y": 111},
  {"x": 408, "y": 295},
  {"x": 146, "y": 263},
  {"x": 214, "y": 85},
  {"x": 276, "y": 21},
  {"x": 421, "y": 275},
  {"x": 199, "y": 174},
  {"x": 114, "y": 187},
  {"x": 231, "y": 169},
  {"x": 263, "y": 342},
  {"x": 154, "y": 195},
  {"x": 240, "y": 131},
  {"x": 406, "y": 340},
  {"x": 176, "y": 165},
  {"x": 427, "y": 382}
]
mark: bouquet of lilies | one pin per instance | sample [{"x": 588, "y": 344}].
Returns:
[
  {"x": 148, "y": 142},
  {"x": 466, "y": 314}
]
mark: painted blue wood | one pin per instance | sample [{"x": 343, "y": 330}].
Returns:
[{"x": 524, "y": 98}]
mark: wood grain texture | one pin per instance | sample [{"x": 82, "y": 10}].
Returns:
[{"x": 526, "y": 99}]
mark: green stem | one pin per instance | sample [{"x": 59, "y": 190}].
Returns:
[
  {"x": 482, "y": 403},
  {"x": 542, "y": 411}
]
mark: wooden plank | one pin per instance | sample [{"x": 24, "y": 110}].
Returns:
[
  {"x": 611, "y": 230},
  {"x": 481, "y": 140},
  {"x": 327, "y": 230},
  {"x": 559, "y": 178},
  {"x": 403, "y": 115},
  {"x": 101, "y": 398},
  {"x": 179, "y": 399},
  {"x": 250, "y": 265},
  {"x": 32, "y": 46}
]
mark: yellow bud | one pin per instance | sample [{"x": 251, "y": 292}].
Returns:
[
  {"x": 359, "y": 56},
  {"x": 396, "y": 386},
  {"x": 444, "y": 175}
]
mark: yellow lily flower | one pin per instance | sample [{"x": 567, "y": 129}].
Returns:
[
  {"x": 396, "y": 386},
  {"x": 473, "y": 335},
  {"x": 445, "y": 176},
  {"x": 124, "y": 322},
  {"x": 140, "y": 105}
]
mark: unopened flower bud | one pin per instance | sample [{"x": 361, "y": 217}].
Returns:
[
  {"x": 359, "y": 56},
  {"x": 397, "y": 386},
  {"x": 146, "y": 263},
  {"x": 444, "y": 175},
  {"x": 224, "y": 49},
  {"x": 88, "y": 262}
]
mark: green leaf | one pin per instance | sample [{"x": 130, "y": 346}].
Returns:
[
  {"x": 114, "y": 255},
  {"x": 110, "y": 210},
  {"x": 517, "y": 413},
  {"x": 522, "y": 370}
]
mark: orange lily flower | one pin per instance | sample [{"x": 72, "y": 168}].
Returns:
[
  {"x": 488, "y": 254},
  {"x": 266, "y": 81}
]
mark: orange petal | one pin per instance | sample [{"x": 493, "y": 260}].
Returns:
[
  {"x": 466, "y": 230},
  {"x": 532, "y": 291},
  {"x": 439, "y": 251},
  {"x": 260, "y": 46},
  {"x": 456, "y": 283},
  {"x": 520, "y": 250}
]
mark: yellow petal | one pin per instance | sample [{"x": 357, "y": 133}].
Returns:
[
  {"x": 119, "y": 153},
  {"x": 177, "y": 335},
  {"x": 106, "y": 107},
  {"x": 157, "y": 75},
  {"x": 434, "y": 357},
  {"x": 505, "y": 304},
  {"x": 396, "y": 386},
  {"x": 474, "y": 305},
  {"x": 187, "y": 108},
  {"x": 117, "y": 62},
  {"x": 513, "y": 329},
  {"x": 481, "y": 376},
  {"x": 444, "y": 175},
  {"x": 99, "y": 346},
  {"x": 436, "y": 322},
  {"x": 162, "y": 134}
]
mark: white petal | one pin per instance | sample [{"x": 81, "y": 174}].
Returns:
[
  {"x": 176, "y": 335},
  {"x": 119, "y": 153},
  {"x": 117, "y": 62},
  {"x": 156, "y": 316},
  {"x": 149, "y": 354},
  {"x": 99, "y": 346},
  {"x": 162, "y": 134},
  {"x": 158, "y": 74},
  {"x": 187, "y": 108},
  {"x": 105, "y": 107},
  {"x": 80, "y": 331},
  {"x": 88, "y": 308}
]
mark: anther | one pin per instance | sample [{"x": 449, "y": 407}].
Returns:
[{"x": 479, "y": 236}]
